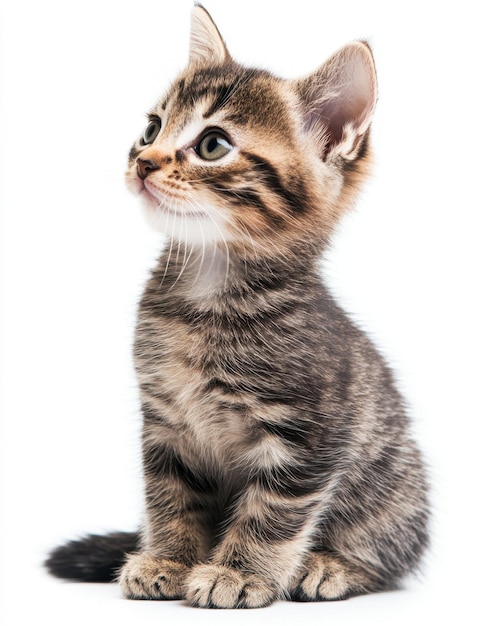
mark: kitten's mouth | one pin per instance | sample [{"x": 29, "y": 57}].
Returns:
[{"x": 169, "y": 201}]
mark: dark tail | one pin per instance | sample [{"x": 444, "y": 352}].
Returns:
[{"x": 95, "y": 558}]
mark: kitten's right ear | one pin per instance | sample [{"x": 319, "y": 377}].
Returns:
[{"x": 206, "y": 44}]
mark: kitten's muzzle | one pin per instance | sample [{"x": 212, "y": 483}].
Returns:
[{"x": 145, "y": 167}]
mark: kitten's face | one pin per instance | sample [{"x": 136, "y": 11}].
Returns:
[
  {"x": 236, "y": 158},
  {"x": 222, "y": 160}
]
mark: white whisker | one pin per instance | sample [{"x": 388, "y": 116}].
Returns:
[
  {"x": 186, "y": 259},
  {"x": 164, "y": 205},
  {"x": 223, "y": 240},
  {"x": 202, "y": 257}
]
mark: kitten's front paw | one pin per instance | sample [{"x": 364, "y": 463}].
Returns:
[
  {"x": 145, "y": 577},
  {"x": 215, "y": 586}
]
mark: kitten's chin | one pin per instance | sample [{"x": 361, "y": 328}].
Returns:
[{"x": 190, "y": 228}]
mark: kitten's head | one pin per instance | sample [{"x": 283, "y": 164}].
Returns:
[{"x": 237, "y": 158}]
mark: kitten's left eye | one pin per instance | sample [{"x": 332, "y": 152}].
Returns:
[
  {"x": 212, "y": 146},
  {"x": 151, "y": 131}
]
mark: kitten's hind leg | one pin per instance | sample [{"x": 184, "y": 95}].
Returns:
[
  {"x": 144, "y": 577},
  {"x": 326, "y": 576}
]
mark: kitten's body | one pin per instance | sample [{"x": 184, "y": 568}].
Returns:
[{"x": 277, "y": 455}]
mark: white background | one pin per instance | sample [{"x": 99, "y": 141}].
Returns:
[{"x": 417, "y": 265}]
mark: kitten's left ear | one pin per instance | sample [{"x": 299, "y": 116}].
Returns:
[
  {"x": 339, "y": 99},
  {"x": 206, "y": 44}
]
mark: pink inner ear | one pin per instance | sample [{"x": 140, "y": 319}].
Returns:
[
  {"x": 338, "y": 112},
  {"x": 332, "y": 116},
  {"x": 335, "y": 114},
  {"x": 345, "y": 94}
]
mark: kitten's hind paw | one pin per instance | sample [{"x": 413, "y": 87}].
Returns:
[
  {"x": 219, "y": 587},
  {"x": 144, "y": 577},
  {"x": 324, "y": 577}
]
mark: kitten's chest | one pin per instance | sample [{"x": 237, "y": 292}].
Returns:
[{"x": 186, "y": 374}]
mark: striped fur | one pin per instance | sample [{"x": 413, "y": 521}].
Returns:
[{"x": 277, "y": 456}]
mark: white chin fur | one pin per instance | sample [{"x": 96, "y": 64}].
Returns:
[{"x": 188, "y": 229}]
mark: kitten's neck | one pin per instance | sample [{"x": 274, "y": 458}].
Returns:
[
  {"x": 202, "y": 276},
  {"x": 208, "y": 274}
]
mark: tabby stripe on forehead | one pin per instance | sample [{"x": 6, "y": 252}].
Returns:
[
  {"x": 294, "y": 196},
  {"x": 222, "y": 95}
]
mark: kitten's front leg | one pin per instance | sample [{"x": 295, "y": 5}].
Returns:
[
  {"x": 265, "y": 543},
  {"x": 178, "y": 527}
]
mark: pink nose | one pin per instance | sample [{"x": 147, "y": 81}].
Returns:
[{"x": 145, "y": 167}]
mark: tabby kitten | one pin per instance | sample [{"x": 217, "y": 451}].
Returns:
[{"x": 277, "y": 456}]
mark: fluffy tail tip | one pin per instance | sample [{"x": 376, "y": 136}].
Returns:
[{"x": 94, "y": 558}]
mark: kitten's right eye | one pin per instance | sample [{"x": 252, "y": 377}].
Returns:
[{"x": 151, "y": 131}]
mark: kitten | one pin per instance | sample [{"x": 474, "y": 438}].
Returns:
[{"x": 277, "y": 456}]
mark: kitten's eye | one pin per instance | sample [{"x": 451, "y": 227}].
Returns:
[
  {"x": 151, "y": 131},
  {"x": 213, "y": 146}
]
